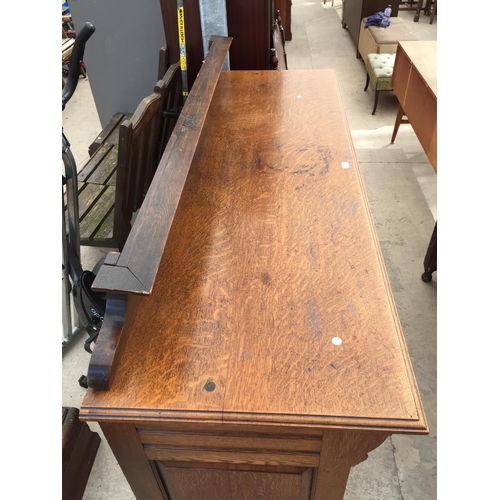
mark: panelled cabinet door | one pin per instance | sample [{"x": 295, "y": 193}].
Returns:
[{"x": 198, "y": 480}]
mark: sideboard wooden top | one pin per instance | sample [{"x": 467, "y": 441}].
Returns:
[
  {"x": 271, "y": 255},
  {"x": 423, "y": 55}
]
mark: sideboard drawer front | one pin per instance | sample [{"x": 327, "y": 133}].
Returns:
[{"x": 231, "y": 447}]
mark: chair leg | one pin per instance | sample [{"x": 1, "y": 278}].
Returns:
[
  {"x": 433, "y": 12},
  {"x": 376, "y": 101},
  {"x": 399, "y": 119},
  {"x": 367, "y": 81},
  {"x": 417, "y": 12}
]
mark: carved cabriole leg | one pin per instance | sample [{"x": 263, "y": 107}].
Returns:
[
  {"x": 340, "y": 451},
  {"x": 127, "y": 448}
]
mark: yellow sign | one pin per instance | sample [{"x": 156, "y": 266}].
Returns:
[{"x": 182, "y": 38}]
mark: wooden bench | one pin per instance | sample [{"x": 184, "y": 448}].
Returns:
[
  {"x": 109, "y": 133},
  {"x": 124, "y": 157}
]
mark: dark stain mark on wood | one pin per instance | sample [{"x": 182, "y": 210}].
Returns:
[
  {"x": 266, "y": 279},
  {"x": 209, "y": 386}
]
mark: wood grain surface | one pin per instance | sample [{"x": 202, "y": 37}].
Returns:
[{"x": 272, "y": 253}]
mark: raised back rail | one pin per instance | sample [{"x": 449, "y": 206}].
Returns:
[{"x": 133, "y": 271}]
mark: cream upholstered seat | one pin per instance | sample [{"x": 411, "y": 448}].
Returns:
[{"x": 379, "y": 69}]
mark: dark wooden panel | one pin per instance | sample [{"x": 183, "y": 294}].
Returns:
[
  {"x": 285, "y": 8},
  {"x": 79, "y": 449},
  {"x": 249, "y": 23}
]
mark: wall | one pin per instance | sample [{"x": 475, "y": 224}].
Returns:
[{"x": 121, "y": 57}]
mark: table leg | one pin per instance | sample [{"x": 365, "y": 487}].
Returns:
[
  {"x": 397, "y": 123},
  {"x": 433, "y": 12},
  {"x": 430, "y": 261},
  {"x": 340, "y": 451},
  {"x": 129, "y": 453}
]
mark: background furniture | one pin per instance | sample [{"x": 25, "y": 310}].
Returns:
[
  {"x": 429, "y": 9},
  {"x": 278, "y": 49},
  {"x": 79, "y": 449},
  {"x": 114, "y": 181},
  {"x": 285, "y": 8},
  {"x": 248, "y": 23},
  {"x": 379, "y": 69},
  {"x": 355, "y": 10},
  {"x": 250, "y": 26},
  {"x": 373, "y": 40},
  {"x": 268, "y": 359},
  {"x": 414, "y": 81}
]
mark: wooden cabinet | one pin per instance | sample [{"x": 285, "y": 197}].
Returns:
[
  {"x": 250, "y": 24},
  {"x": 285, "y": 8},
  {"x": 414, "y": 81},
  {"x": 353, "y": 11},
  {"x": 268, "y": 359},
  {"x": 214, "y": 462}
]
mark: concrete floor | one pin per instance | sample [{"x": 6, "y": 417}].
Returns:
[{"x": 401, "y": 187}]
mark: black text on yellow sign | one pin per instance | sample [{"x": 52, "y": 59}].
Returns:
[{"x": 182, "y": 38}]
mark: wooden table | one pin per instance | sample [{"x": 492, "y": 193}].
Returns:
[
  {"x": 414, "y": 81},
  {"x": 269, "y": 358}
]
